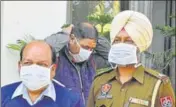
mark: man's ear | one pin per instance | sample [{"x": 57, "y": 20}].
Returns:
[{"x": 53, "y": 70}]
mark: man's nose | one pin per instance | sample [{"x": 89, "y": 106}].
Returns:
[{"x": 122, "y": 39}]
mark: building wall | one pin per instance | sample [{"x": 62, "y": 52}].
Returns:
[{"x": 20, "y": 18}]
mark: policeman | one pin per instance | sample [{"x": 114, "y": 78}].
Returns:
[{"x": 130, "y": 84}]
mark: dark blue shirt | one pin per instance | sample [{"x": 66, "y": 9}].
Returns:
[{"x": 64, "y": 98}]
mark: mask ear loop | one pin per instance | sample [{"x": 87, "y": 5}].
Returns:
[
  {"x": 138, "y": 59},
  {"x": 51, "y": 66},
  {"x": 137, "y": 65},
  {"x": 113, "y": 67}
]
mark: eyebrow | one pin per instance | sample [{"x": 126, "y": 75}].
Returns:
[
  {"x": 31, "y": 60},
  {"x": 129, "y": 38},
  {"x": 25, "y": 59},
  {"x": 44, "y": 61},
  {"x": 117, "y": 37}
]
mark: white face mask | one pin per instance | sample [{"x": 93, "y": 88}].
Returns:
[
  {"x": 83, "y": 55},
  {"x": 123, "y": 54},
  {"x": 35, "y": 77}
]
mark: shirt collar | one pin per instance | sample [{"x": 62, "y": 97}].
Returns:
[
  {"x": 49, "y": 91},
  {"x": 137, "y": 75},
  {"x": 19, "y": 91}
]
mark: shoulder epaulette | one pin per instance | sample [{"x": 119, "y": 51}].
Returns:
[
  {"x": 158, "y": 75},
  {"x": 102, "y": 71}
]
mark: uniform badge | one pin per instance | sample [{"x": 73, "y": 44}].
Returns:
[
  {"x": 105, "y": 91},
  {"x": 166, "y": 101},
  {"x": 138, "y": 101}
]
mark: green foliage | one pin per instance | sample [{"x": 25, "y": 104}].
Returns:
[
  {"x": 167, "y": 30},
  {"x": 20, "y": 43},
  {"x": 162, "y": 60},
  {"x": 102, "y": 19},
  {"x": 65, "y": 25}
]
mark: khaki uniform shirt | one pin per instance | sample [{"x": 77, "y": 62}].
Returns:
[{"x": 107, "y": 90}]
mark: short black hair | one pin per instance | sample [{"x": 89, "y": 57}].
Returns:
[
  {"x": 53, "y": 53},
  {"x": 85, "y": 30}
]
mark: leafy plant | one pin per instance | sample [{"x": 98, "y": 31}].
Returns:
[
  {"x": 162, "y": 60},
  {"x": 20, "y": 43},
  {"x": 167, "y": 30},
  {"x": 157, "y": 59},
  {"x": 65, "y": 25},
  {"x": 102, "y": 19}
]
